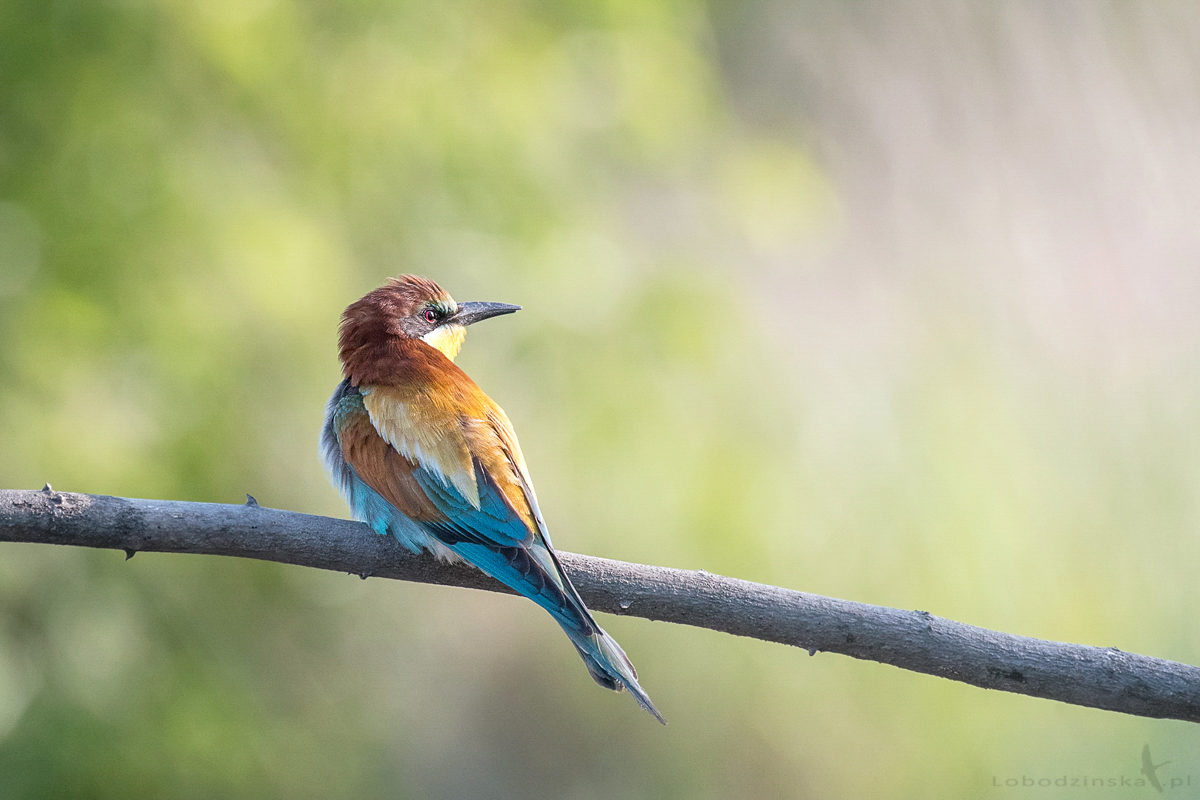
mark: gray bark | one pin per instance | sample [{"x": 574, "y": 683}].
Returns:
[{"x": 1099, "y": 677}]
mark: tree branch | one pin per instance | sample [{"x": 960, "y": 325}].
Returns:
[{"x": 1105, "y": 678}]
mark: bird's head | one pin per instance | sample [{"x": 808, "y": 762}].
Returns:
[{"x": 411, "y": 307}]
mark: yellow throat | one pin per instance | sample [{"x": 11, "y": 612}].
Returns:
[{"x": 447, "y": 338}]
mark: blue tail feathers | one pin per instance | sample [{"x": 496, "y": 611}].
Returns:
[
  {"x": 611, "y": 668},
  {"x": 523, "y": 571}
]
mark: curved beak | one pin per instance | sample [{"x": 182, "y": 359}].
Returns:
[{"x": 474, "y": 312}]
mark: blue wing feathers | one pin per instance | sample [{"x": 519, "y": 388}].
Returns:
[
  {"x": 512, "y": 567},
  {"x": 344, "y": 398},
  {"x": 495, "y": 539},
  {"x": 493, "y": 523}
]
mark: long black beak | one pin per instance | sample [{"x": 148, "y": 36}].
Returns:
[{"x": 474, "y": 312}]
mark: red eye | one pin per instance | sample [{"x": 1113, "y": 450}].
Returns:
[{"x": 430, "y": 315}]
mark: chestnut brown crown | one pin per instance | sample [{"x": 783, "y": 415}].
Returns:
[{"x": 408, "y": 308}]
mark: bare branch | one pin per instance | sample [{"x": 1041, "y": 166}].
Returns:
[{"x": 1105, "y": 678}]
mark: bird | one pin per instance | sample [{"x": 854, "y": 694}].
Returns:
[
  {"x": 1150, "y": 769},
  {"x": 421, "y": 453}
]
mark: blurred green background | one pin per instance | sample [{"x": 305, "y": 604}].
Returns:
[{"x": 891, "y": 302}]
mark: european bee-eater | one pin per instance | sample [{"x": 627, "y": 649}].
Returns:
[{"x": 421, "y": 453}]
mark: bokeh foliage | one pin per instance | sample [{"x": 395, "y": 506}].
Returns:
[{"x": 894, "y": 302}]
